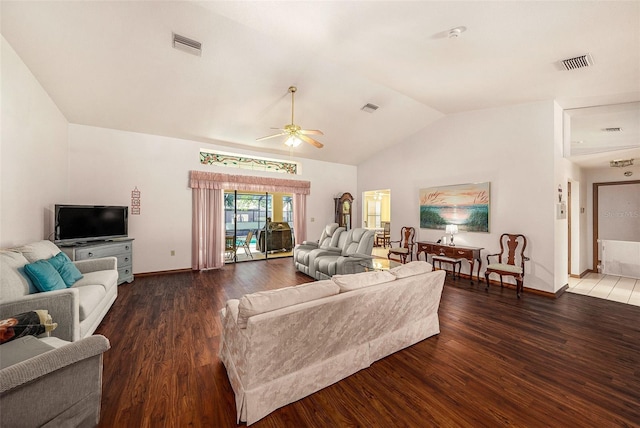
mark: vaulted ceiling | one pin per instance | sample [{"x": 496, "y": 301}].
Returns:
[{"x": 111, "y": 64}]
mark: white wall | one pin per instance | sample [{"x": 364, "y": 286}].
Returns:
[
  {"x": 512, "y": 148},
  {"x": 602, "y": 175},
  {"x": 106, "y": 165},
  {"x": 33, "y": 154}
]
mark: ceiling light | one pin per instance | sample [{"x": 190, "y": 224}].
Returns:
[
  {"x": 187, "y": 45},
  {"x": 293, "y": 141},
  {"x": 369, "y": 108},
  {"x": 454, "y": 33}
]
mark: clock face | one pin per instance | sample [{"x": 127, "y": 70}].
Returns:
[{"x": 346, "y": 207}]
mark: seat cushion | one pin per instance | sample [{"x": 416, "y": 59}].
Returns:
[
  {"x": 326, "y": 265},
  {"x": 90, "y": 297},
  {"x": 399, "y": 250},
  {"x": 267, "y": 301},
  {"x": 505, "y": 268},
  {"x": 21, "y": 349},
  {"x": 105, "y": 278}
]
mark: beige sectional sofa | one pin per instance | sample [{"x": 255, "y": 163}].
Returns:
[{"x": 281, "y": 345}]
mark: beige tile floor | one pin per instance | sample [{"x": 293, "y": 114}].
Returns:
[{"x": 616, "y": 288}]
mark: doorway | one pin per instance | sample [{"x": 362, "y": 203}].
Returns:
[
  {"x": 258, "y": 225},
  {"x": 376, "y": 210}
]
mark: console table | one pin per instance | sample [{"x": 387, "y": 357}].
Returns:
[{"x": 471, "y": 254}]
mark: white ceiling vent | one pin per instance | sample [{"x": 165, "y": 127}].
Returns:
[
  {"x": 187, "y": 45},
  {"x": 369, "y": 108},
  {"x": 617, "y": 129},
  {"x": 578, "y": 62}
]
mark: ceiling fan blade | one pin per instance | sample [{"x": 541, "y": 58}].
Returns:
[
  {"x": 271, "y": 136},
  {"x": 311, "y": 141},
  {"x": 311, "y": 132}
]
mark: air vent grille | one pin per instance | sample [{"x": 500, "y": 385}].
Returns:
[
  {"x": 369, "y": 108},
  {"x": 187, "y": 45},
  {"x": 618, "y": 129},
  {"x": 578, "y": 62}
]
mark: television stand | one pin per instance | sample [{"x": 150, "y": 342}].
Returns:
[{"x": 122, "y": 249}]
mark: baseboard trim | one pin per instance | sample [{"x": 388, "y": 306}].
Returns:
[
  {"x": 547, "y": 294},
  {"x": 582, "y": 275},
  {"x": 163, "y": 272}
]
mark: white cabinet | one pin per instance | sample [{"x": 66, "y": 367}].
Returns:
[{"x": 122, "y": 249}]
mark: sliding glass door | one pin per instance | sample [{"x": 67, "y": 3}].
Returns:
[{"x": 258, "y": 226}]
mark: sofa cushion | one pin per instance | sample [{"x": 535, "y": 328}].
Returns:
[
  {"x": 90, "y": 297},
  {"x": 14, "y": 282},
  {"x": 267, "y": 301},
  {"x": 65, "y": 267},
  {"x": 360, "y": 280},
  {"x": 105, "y": 278},
  {"x": 32, "y": 323},
  {"x": 21, "y": 349},
  {"x": 44, "y": 276},
  {"x": 417, "y": 267},
  {"x": 39, "y": 250}
]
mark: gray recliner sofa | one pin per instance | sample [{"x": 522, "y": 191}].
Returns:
[
  {"x": 355, "y": 246},
  {"x": 328, "y": 238}
]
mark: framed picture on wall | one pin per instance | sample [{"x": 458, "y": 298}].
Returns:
[{"x": 463, "y": 205}]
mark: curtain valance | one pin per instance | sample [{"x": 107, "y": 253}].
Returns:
[{"x": 212, "y": 180}]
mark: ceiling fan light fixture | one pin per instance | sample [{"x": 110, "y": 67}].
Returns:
[{"x": 293, "y": 141}]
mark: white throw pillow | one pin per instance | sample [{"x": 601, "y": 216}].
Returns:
[
  {"x": 360, "y": 280},
  {"x": 417, "y": 267},
  {"x": 267, "y": 301}
]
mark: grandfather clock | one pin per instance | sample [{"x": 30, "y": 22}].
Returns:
[{"x": 343, "y": 210}]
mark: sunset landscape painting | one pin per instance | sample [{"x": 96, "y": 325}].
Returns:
[{"x": 465, "y": 205}]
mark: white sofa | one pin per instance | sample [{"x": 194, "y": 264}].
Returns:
[
  {"x": 77, "y": 310},
  {"x": 281, "y": 345}
]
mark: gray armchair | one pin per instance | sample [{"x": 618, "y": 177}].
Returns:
[
  {"x": 50, "y": 382},
  {"x": 301, "y": 253},
  {"x": 354, "y": 249}
]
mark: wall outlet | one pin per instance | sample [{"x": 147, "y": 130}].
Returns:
[
  {"x": 313, "y": 219},
  {"x": 173, "y": 252}
]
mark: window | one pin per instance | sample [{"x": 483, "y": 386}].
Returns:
[{"x": 254, "y": 163}]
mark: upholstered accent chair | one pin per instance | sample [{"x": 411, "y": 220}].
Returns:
[
  {"x": 510, "y": 260},
  {"x": 354, "y": 249},
  {"x": 301, "y": 252},
  {"x": 404, "y": 248}
]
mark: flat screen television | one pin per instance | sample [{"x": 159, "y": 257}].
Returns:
[{"x": 82, "y": 223}]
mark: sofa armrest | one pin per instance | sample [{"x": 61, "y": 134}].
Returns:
[
  {"x": 48, "y": 362},
  {"x": 63, "y": 306},
  {"x": 93, "y": 265},
  {"x": 351, "y": 263},
  {"x": 310, "y": 244}
]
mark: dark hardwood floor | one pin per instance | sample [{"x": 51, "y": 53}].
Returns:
[{"x": 498, "y": 361}]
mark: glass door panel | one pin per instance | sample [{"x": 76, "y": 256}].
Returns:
[{"x": 259, "y": 224}]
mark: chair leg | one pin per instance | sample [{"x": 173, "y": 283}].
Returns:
[
  {"x": 519, "y": 287},
  {"x": 486, "y": 277}
]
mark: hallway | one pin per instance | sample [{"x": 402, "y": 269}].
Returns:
[{"x": 609, "y": 287}]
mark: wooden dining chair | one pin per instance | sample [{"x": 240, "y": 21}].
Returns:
[
  {"x": 405, "y": 245},
  {"x": 384, "y": 235},
  {"x": 510, "y": 260}
]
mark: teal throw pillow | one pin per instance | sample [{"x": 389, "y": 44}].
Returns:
[
  {"x": 44, "y": 276},
  {"x": 65, "y": 267}
]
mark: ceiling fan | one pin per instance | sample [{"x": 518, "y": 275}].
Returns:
[{"x": 295, "y": 134}]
